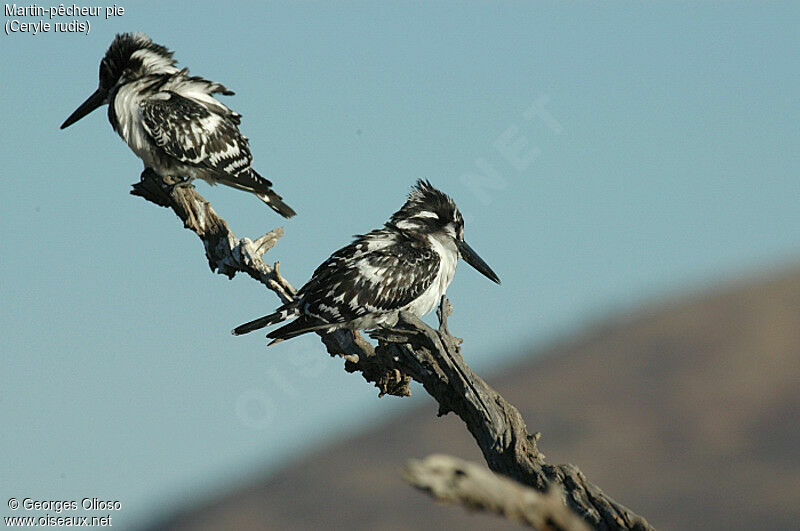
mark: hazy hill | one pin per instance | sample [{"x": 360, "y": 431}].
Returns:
[{"x": 688, "y": 413}]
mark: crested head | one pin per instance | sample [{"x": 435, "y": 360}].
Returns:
[
  {"x": 429, "y": 210},
  {"x": 131, "y": 56}
]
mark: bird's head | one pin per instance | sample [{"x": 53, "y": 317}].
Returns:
[
  {"x": 130, "y": 57},
  {"x": 431, "y": 213}
]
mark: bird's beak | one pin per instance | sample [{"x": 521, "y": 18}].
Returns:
[
  {"x": 94, "y": 101},
  {"x": 472, "y": 258}
]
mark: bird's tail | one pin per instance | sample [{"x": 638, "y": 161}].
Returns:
[
  {"x": 250, "y": 181},
  {"x": 301, "y": 325},
  {"x": 268, "y": 195},
  {"x": 276, "y": 203},
  {"x": 274, "y": 318}
]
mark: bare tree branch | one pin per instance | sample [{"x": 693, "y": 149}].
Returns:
[
  {"x": 411, "y": 351},
  {"x": 454, "y": 480}
]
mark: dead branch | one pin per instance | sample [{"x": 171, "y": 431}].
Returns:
[
  {"x": 454, "y": 480},
  {"x": 411, "y": 351}
]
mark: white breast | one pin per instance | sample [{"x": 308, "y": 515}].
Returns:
[
  {"x": 430, "y": 298},
  {"x": 129, "y": 124}
]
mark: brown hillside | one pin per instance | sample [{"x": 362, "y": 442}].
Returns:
[{"x": 689, "y": 414}]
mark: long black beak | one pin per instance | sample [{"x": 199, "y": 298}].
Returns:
[
  {"x": 472, "y": 258},
  {"x": 95, "y": 100}
]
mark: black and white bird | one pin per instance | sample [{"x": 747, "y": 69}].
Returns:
[
  {"x": 172, "y": 121},
  {"x": 405, "y": 266}
]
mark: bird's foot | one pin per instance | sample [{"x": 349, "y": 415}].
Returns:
[{"x": 174, "y": 181}]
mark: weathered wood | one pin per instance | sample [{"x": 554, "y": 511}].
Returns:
[
  {"x": 410, "y": 351},
  {"x": 454, "y": 480}
]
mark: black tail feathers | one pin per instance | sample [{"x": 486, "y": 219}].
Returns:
[
  {"x": 276, "y": 203},
  {"x": 250, "y": 181},
  {"x": 265, "y": 192},
  {"x": 260, "y": 323},
  {"x": 301, "y": 325}
]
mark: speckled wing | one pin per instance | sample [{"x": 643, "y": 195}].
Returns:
[
  {"x": 369, "y": 276},
  {"x": 190, "y": 132}
]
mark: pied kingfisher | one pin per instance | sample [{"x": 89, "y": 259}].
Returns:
[
  {"x": 405, "y": 266},
  {"x": 172, "y": 121}
]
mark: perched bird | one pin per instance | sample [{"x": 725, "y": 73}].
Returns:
[
  {"x": 405, "y": 266},
  {"x": 172, "y": 121}
]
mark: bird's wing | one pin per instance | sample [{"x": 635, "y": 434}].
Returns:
[
  {"x": 367, "y": 276},
  {"x": 194, "y": 133}
]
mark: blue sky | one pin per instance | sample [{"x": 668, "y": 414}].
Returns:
[{"x": 603, "y": 156}]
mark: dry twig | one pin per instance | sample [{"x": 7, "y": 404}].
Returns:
[{"x": 453, "y": 480}]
